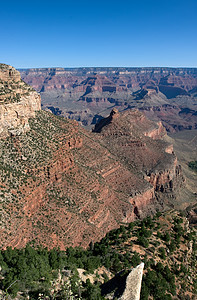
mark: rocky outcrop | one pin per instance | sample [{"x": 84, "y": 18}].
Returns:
[
  {"x": 144, "y": 203},
  {"x": 138, "y": 143},
  {"x": 192, "y": 215},
  {"x": 133, "y": 284},
  {"x": 14, "y": 117},
  {"x": 180, "y": 115},
  {"x": 18, "y": 103},
  {"x": 73, "y": 91},
  {"x": 156, "y": 133},
  {"x": 8, "y": 73},
  {"x": 164, "y": 180}
]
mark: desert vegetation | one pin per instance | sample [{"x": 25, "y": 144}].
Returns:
[
  {"x": 165, "y": 243},
  {"x": 11, "y": 91},
  {"x": 193, "y": 165}
]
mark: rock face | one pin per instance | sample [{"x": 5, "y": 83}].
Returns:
[
  {"x": 192, "y": 215},
  {"x": 138, "y": 143},
  {"x": 87, "y": 94},
  {"x": 64, "y": 186},
  {"x": 133, "y": 284},
  {"x": 18, "y": 102},
  {"x": 174, "y": 117},
  {"x": 111, "y": 79},
  {"x": 8, "y": 73}
]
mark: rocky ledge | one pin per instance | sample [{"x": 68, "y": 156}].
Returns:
[{"x": 18, "y": 102}]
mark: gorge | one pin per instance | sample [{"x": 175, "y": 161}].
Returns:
[{"x": 62, "y": 185}]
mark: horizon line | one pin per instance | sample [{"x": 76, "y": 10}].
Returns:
[{"x": 109, "y": 67}]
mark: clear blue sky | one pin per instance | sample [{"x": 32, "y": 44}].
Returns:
[{"x": 98, "y": 33}]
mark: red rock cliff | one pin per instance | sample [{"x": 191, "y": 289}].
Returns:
[{"x": 62, "y": 185}]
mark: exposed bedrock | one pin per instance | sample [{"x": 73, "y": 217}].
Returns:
[
  {"x": 18, "y": 102},
  {"x": 8, "y": 73},
  {"x": 133, "y": 284},
  {"x": 176, "y": 116},
  {"x": 73, "y": 91},
  {"x": 64, "y": 186},
  {"x": 14, "y": 117},
  {"x": 110, "y": 79}
]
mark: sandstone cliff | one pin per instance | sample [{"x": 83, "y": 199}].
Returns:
[{"x": 18, "y": 102}]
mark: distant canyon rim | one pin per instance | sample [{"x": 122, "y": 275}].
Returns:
[{"x": 89, "y": 94}]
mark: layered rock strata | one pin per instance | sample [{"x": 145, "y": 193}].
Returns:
[
  {"x": 119, "y": 78},
  {"x": 166, "y": 92},
  {"x": 64, "y": 186},
  {"x": 18, "y": 102},
  {"x": 139, "y": 144}
]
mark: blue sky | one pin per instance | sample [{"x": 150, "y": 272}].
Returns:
[{"x": 98, "y": 33}]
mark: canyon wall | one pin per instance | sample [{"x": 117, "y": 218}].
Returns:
[
  {"x": 88, "y": 94},
  {"x": 64, "y": 186},
  {"x": 18, "y": 102}
]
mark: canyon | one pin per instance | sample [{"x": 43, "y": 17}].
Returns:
[
  {"x": 62, "y": 185},
  {"x": 88, "y": 94}
]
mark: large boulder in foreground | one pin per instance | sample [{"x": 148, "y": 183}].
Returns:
[{"x": 133, "y": 284}]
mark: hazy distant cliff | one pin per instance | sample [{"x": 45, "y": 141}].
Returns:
[
  {"x": 87, "y": 94},
  {"x": 47, "y": 78}
]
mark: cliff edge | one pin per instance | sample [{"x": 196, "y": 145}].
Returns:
[{"x": 18, "y": 102}]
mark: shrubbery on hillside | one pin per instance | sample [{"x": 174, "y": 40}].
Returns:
[
  {"x": 193, "y": 165},
  {"x": 36, "y": 271}
]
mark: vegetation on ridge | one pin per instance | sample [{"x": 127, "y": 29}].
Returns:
[
  {"x": 164, "y": 243},
  {"x": 11, "y": 91},
  {"x": 193, "y": 165}
]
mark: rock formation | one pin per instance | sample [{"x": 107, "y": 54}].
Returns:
[
  {"x": 86, "y": 94},
  {"x": 174, "y": 116},
  {"x": 62, "y": 185},
  {"x": 138, "y": 143},
  {"x": 119, "y": 78},
  {"x": 18, "y": 102},
  {"x": 133, "y": 284}
]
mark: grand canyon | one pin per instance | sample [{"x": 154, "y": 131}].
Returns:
[
  {"x": 121, "y": 171},
  {"x": 63, "y": 184},
  {"x": 88, "y": 94}
]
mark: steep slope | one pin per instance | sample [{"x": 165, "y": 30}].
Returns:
[
  {"x": 165, "y": 245},
  {"x": 61, "y": 185},
  {"x": 138, "y": 143}
]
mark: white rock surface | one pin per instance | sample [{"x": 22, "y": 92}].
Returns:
[{"x": 133, "y": 284}]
